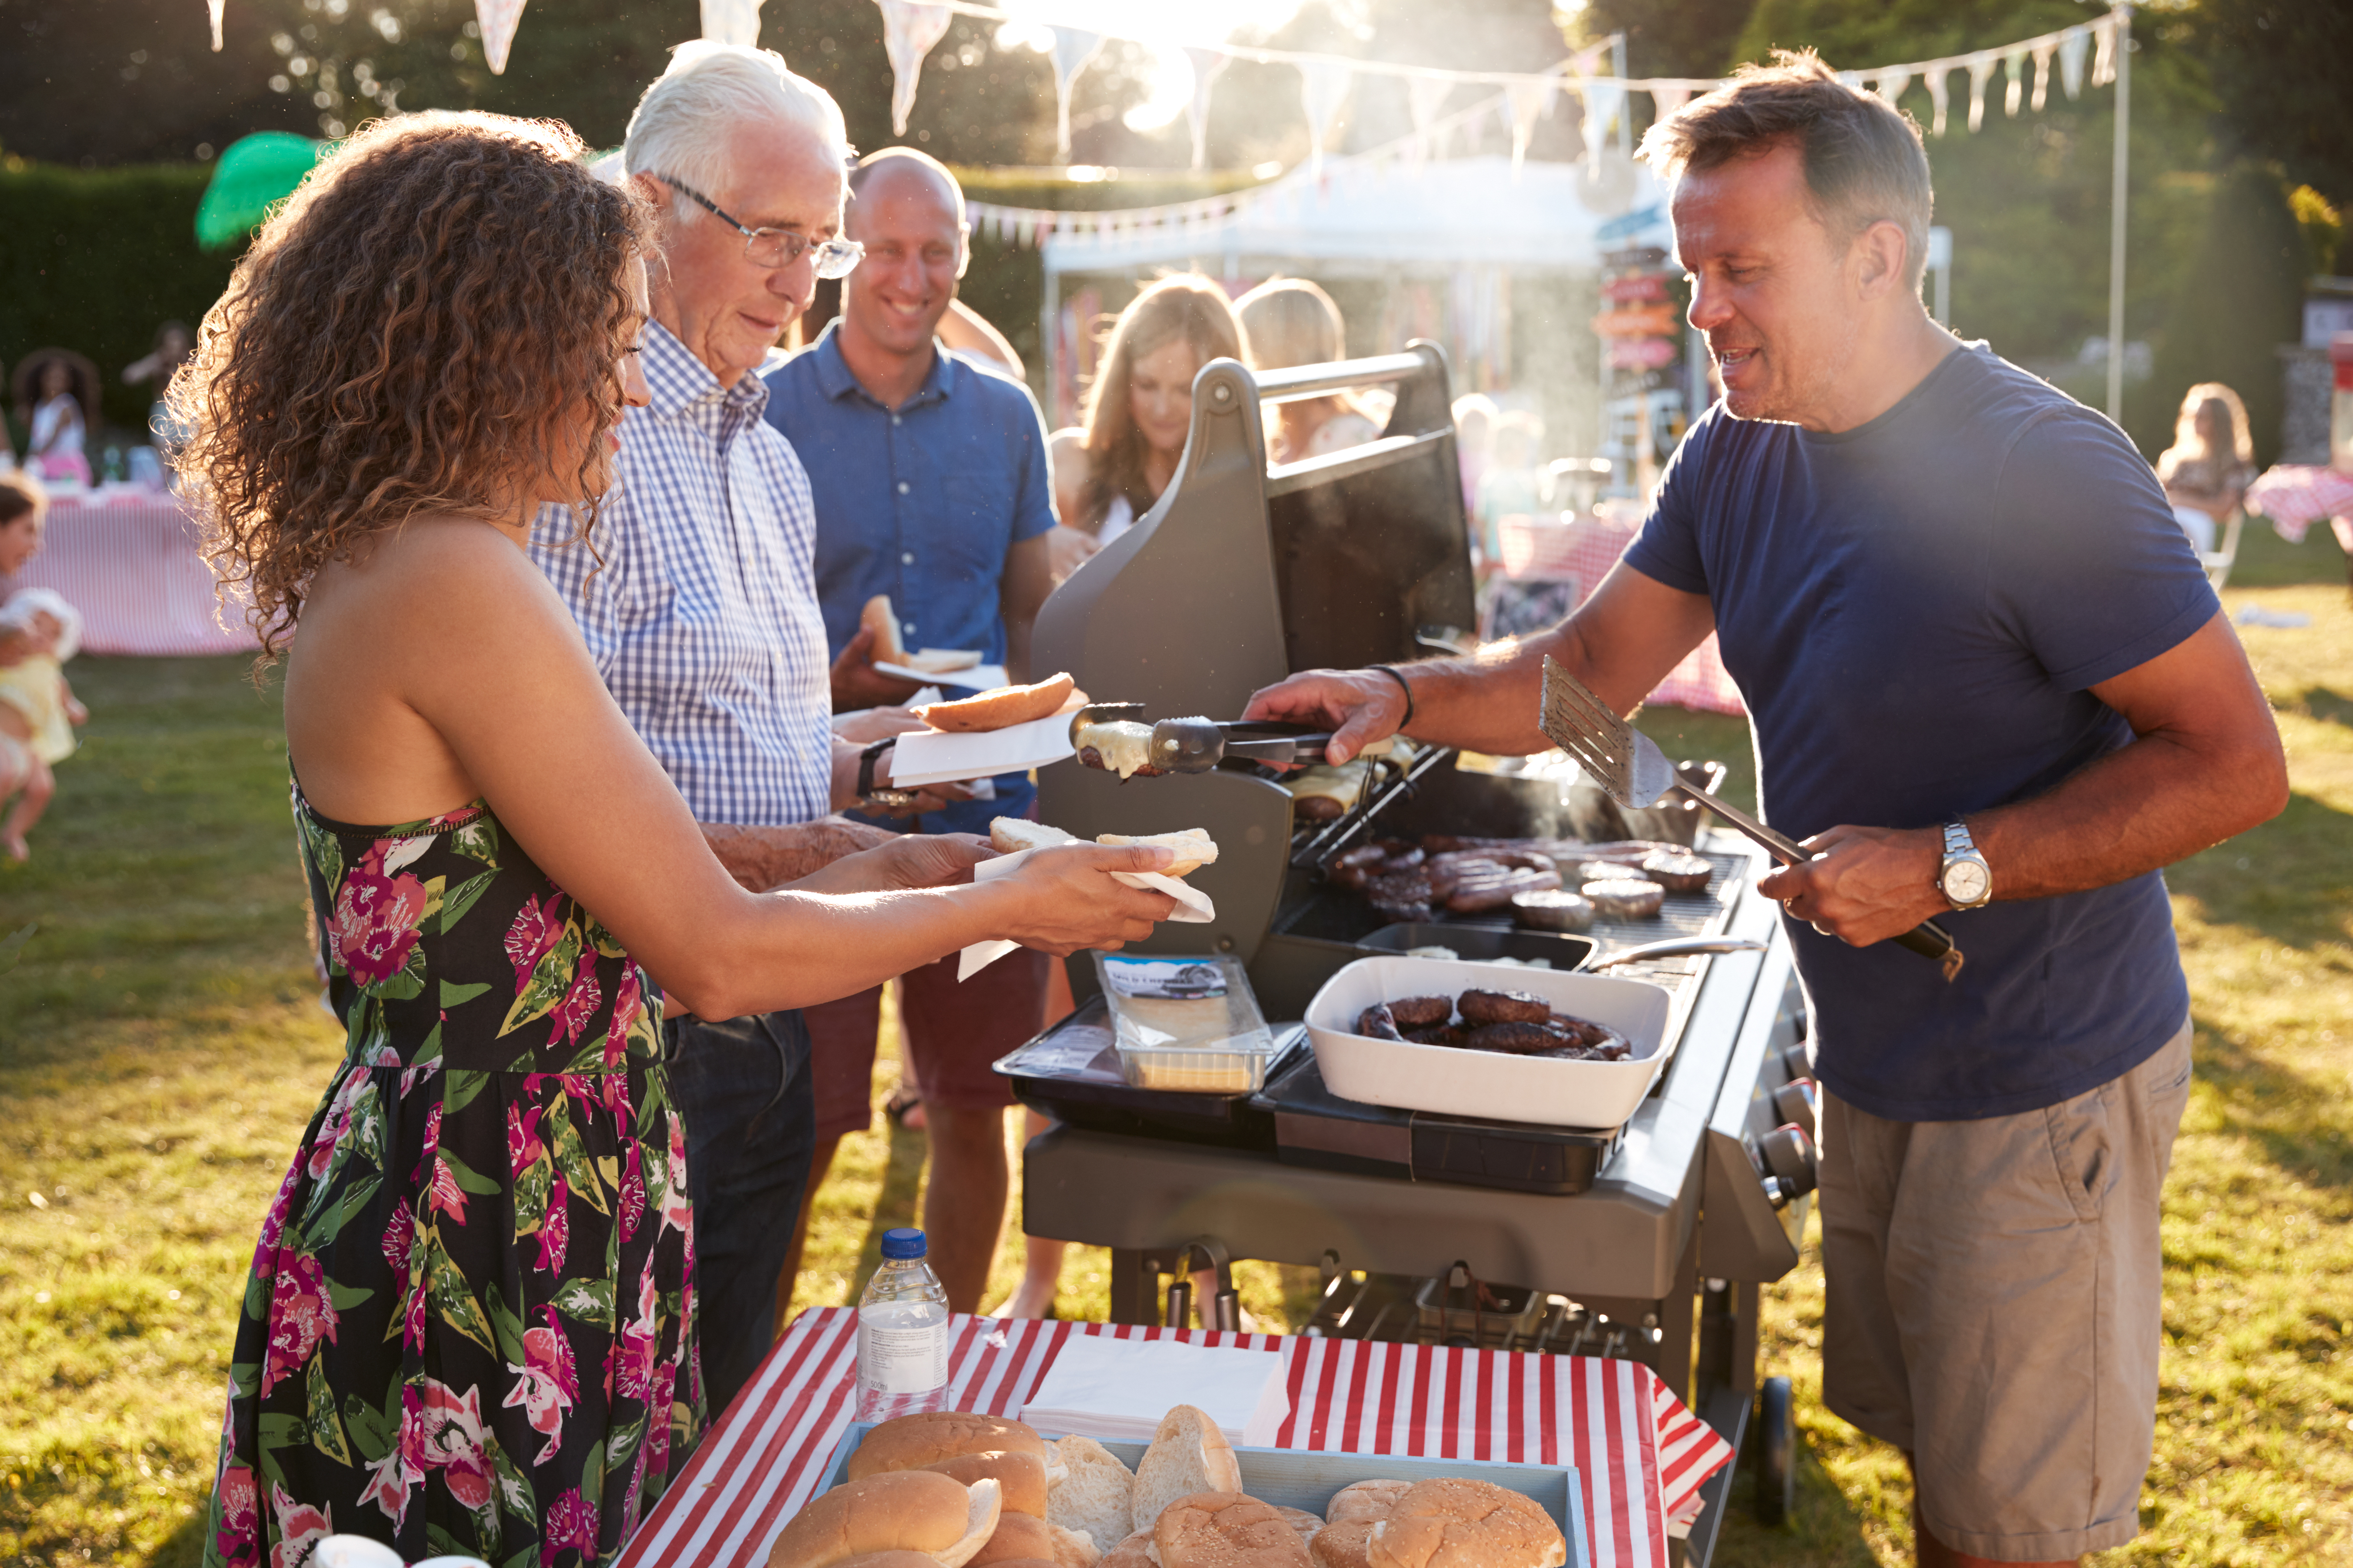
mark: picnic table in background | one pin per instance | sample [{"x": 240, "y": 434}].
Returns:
[
  {"x": 1550, "y": 565},
  {"x": 2295, "y": 496},
  {"x": 126, "y": 557},
  {"x": 1640, "y": 1455}
]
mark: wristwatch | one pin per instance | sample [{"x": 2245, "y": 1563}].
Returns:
[{"x": 1965, "y": 878}]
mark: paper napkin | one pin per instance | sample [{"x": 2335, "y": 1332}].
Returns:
[
  {"x": 1193, "y": 906},
  {"x": 1120, "y": 1389}
]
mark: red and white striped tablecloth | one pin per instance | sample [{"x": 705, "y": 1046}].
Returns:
[
  {"x": 2295, "y": 496},
  {"x": 1546, "y": 550},
  {"x": 128, "y": 561},
  {"x": 1640, "y": 1456}
]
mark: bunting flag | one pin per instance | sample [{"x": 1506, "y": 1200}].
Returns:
[
  {"x": 1072, "y": 50},
  {"x": 498, "y": 19},
  {"x": 2104, "y": 52},
  {"x": 2073, "y": 45},
  {"x": 1981, "y": 72},
  {"x": 1530, "y": 101},
  {"x": 2042, "y": 54},
  {"x": 1605, "y": 101},
  {"x": 729, "y": 22},
  {"x": 1207, "y": 64},
  {"x": 1938, "y": 96},
  {"x": 1323, "y": 88},
  {"x": 2014, "y": 96},
  {"x": 1892, "y": 83},
  {"x": 214, "y": 6},
  {"x": 1424, "y": 96},
  {"x": 909, "y": 31},
  {"x": 1666, "y": 101}
]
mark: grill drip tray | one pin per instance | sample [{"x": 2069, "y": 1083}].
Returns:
[{"x": 1315, "y": 1128}]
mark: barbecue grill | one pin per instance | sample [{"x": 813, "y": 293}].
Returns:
[{"x": 1647, "y": 1241}]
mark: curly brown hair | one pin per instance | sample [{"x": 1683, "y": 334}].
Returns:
[{"x": 414, "y": 331}]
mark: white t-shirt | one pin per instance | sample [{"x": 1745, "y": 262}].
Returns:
[
  {"x": 1118, "y": 520},
  {"x": 56, "y": 427}
]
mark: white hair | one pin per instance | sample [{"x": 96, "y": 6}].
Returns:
[{"x": 682, "y": 122}]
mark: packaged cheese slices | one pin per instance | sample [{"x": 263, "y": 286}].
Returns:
[{"x": 1187, "y": 1024}]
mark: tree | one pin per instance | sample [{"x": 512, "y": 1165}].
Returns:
[
  {"x": 1667, "y": 37},
  {"x": 2280, "y": 70}
]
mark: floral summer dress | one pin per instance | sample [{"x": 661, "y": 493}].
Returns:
[{"x": 467, "y": 1330}]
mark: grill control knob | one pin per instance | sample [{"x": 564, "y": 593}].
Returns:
[
  {"x": 1776, "y": 1194},
  {"x": 1794, "y": 1101},
  {"x": 1789, "y": 1154}
]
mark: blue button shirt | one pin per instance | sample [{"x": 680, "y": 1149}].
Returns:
[{"x": 923, "y": 502}]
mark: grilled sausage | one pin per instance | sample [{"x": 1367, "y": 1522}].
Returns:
[
  {"x": 1436, "y": 1034},
  {"x": 1494, "y": 893},
  {"x": 1504, "y": 1007},
  {"x": 1421, "y": 1012},
  {"x": 1376, "y": 1022}
]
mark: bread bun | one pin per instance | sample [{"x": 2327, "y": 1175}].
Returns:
[
  {"x": 1365, "y": 1500},
  {"x": 893, "y": 1559},
  {"x": 1347, "y": 1544},
  {"x": 1454, "y": 1524},
  {"x": 1094, "y": 1494},
  {"x": 1021, "y": 1477},
  {"x": 878, "y": 618},
  {"x": 1021, "y": 1537},
  {"x": 1194, "y": 846},
  {"x": 912, "y": 1442},
  {"x": 1227, "y": 1529},
  {"x": 908, "y": 1511},
  {"x": 1136, "y": 1552},
  {"x": 941, "y": 660},
  {"x": 1001, "y": 709},
  {"x": 1300, "y": 1519},
  {"x": 1012, "y": 835},
  {"x": 1188, "y": 1455}
]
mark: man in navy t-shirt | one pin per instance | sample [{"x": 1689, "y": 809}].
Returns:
[
  {"x": 1990, "y": 686},
  {"x": 932, "y": 486}
]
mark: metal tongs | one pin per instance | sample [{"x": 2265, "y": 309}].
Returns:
[
  {"x": 1630, "y": 766},
  {"x": 1197, "y": 746}
]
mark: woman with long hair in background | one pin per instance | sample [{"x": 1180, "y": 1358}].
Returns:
[
  {"x": 1287, "y": 322},
  {"x": 2207, "y": 469}
]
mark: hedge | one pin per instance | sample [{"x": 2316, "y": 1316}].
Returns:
[{"x": 95, "y": 260}]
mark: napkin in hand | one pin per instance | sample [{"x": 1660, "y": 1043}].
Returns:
[
  {"x": 1193, "y": 906},
  {"x": 1118, "y": 1389}
]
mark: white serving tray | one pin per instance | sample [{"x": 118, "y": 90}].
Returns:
[
  {"x": 1488, "y": 1084},
  {"x": 1306, "y": 1479}
]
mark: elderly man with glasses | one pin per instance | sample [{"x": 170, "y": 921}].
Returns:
[{"x": 704, "y": 619}]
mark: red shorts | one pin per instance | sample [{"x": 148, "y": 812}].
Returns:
[{"x": 951, "y": 1031}]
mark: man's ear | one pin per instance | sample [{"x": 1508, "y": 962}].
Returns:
[
  {"x": 964, "y": 249},
  {"x": 1880, "y": 257}
]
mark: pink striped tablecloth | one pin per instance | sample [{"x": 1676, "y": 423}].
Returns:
[
  {"x": 2295, "y": 496},
  {"x": 128, "y": 561},
  {"x": 1581, "y": 552},
  {"x": 1640, "y": 1456}
]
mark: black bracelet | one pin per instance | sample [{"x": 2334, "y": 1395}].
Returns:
[
  {"x": 866, "y": 760},
  {"x": 1390, "y": 670}
]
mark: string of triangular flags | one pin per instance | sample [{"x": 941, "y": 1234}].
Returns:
[
  {"x": 1324, "y": 79},
  {"x": 1525, "y": 99},
  {"x": 913, "y": 28}
]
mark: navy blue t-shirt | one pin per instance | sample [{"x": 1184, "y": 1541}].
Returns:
[{"x": 1915, "y": 610}]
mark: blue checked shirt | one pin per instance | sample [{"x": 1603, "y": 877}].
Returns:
[{"x": 704, "y": 620}]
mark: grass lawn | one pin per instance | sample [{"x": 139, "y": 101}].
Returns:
[{"x": 161, "y": 1048}]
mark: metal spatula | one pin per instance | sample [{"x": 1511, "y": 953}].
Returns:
[{"x": 1634, "y": 772}]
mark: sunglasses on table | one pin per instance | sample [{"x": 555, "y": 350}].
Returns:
[{"x": 774, "y": 247}]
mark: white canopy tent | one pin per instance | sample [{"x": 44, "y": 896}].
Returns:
[{"x": 1397, "y": 220}]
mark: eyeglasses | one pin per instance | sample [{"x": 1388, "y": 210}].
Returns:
[{"x": 774, "y": 247}]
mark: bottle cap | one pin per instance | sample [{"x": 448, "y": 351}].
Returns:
[{"x": 901, "y": 1243}]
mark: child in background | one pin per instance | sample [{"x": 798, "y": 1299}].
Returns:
[{"x": 37, "y": 711}]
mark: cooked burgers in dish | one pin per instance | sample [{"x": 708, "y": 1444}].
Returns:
[{"x": 1504, "y": 1007}]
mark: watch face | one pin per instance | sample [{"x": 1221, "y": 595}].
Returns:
[{"x": 1967, "y": 882}]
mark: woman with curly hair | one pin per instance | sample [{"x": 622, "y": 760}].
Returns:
[{"x": 470, "y": 1326}]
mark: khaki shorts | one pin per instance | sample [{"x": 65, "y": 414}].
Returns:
[{"x": 1994, "y": 1301}]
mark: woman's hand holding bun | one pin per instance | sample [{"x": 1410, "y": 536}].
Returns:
[{"x": 1062, "y": 899}]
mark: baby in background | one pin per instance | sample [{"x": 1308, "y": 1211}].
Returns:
[{"x": 37, "y": 711}]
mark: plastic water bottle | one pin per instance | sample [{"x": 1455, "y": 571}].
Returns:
[{"x": 902, "y": 1333}]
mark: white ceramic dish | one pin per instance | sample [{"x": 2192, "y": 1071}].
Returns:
[{"x": 1489, "y": 1084}]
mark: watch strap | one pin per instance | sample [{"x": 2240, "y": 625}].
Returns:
[{"x": 866, "y": 761}]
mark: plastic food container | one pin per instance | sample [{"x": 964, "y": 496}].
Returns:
[
  {"x": 1490, "y": 1085},
  {"x": 1185, "y": 1024}
]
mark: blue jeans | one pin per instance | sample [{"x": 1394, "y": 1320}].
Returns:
[{"x": 746, "y": 1091}]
